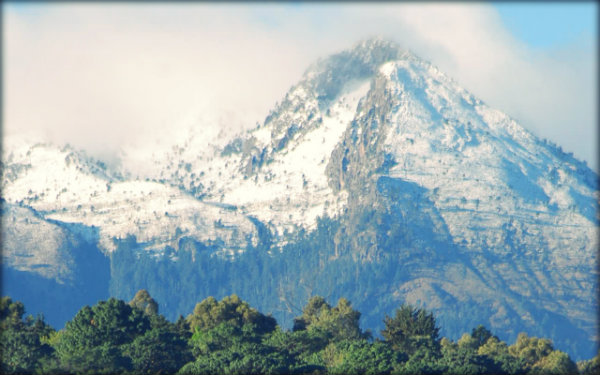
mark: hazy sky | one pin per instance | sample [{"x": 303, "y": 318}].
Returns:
[{"x": 98, "y": 75}]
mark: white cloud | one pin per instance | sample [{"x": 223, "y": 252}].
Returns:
[{"x": 98, "y": 75}]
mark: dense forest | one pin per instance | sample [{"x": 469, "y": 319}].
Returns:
[
  {"x": 336, "y": 259},
  {"x": 231, "y": 337}
]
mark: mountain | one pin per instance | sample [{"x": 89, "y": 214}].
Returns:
[
  {"x": 67, "y": 186},
  {"x": 376, "y": 178}
]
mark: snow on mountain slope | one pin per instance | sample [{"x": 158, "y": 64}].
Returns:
[
  {"x": 67, "y": 187},
  {"x": 483, "y": 169},
  {"x": 43, "y": 175},
  {"x": 276, "y": 172},
  {"x": 292, "y": 188},
  {"x": 492, "y": 181},
  {"x": 157, "y": 216},
  {"x": 487, "y": 174},
  {"x": 503, "y": 194},
  {"x": 32, "y": 244}
]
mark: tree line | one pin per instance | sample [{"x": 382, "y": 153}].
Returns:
[{"x": 231, "y": 337}]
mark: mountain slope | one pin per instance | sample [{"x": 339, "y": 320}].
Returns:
[
  {"x": 376, "y": 178},
  {"x": 499, "y": 191},
  {"x": 522, "y": 212},
  {"x": 67, "y": 186}
]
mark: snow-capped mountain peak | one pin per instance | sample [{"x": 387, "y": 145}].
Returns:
[{"x": 413, "y": 169}]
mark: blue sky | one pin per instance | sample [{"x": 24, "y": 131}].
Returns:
[
  {"x": 539, "y": 24},
  {"x": 545, "y": 25}
]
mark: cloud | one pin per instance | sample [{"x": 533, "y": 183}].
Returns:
[
  {"x": 97, "y": 75},
  {"x": 101, "y": 76}
]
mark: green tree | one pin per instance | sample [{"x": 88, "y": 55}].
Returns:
[
  {"x": 232, "y": 310},
  {"x": 530, "y": 349},
  {"x": 221, "y": 337},
  {"x": 183, "y": 328},
  {"x": 463, "y": 358},
  {"x": 232, "y": 337},
  {"x": 22, "y": 346},
  {"x": 160, "y": 350},
  {"x": 144, "y": 302},
  {"x": 497, "y": 351},
  {"x": 93, "y": 341},
  {"x": 410, "y": 329},
  {"x": 556, "y": 362},
  {"x": 230, "y": 349},
  {"x": 481, "y": 334},
  {"x": 11, "y": 312},
  {"x": 423, "y": 361},
  {"x": 539, "y": 356},
  {"x": 302, "y": 346},
  {"x": 468, "y": 342},
  {"x": 361, "y": 357},
  {"x": 241, "y": 358},
  {"x": 591, "y": 366},
  {"x": 298, "y": 342},
  {"x": 339, "y": 323}
]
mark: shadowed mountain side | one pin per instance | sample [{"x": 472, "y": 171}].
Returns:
[{"x": 58, "y": 295}]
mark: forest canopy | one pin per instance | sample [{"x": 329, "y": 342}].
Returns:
[{"x": 231, "y": 337}]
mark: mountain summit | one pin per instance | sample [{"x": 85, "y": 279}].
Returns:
[{"x": 377, "y": 178}]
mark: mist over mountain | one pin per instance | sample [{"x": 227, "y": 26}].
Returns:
[{"x": 377, "y": 178}]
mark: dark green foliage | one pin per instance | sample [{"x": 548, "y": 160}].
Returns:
[
  {"x": 481, "y": 334},
  {"x": 183, "y": 327},
  {"x": 220, "y": 337},
  {"x": 142, "y": 301},
  {"x": 410, "y": 329},
  {"x": 161, "y": 350},
  {"x": 114, "y": 337},
  {"x": 231, "y": 337},
  {"x": 338, "y": 323},
  {"x": 10, "y": 312},
  {"x": 300, "y": 344},
  {"x": 591, "y": 366},
  {"x": 422, "y": 361},
  {"x": 302, "y": 348},
  {"x": 497, "y": 351},
  {"x": 231, "y": 349},
  {"x": 94, "y": 340},
  {"x": 242, "y": 358},
  {"x": 361, "y": 357},
  {"x": 232, "y": 310},
  {"x": 22, "y": 349},
  {"x": 463, "y": 358}
]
